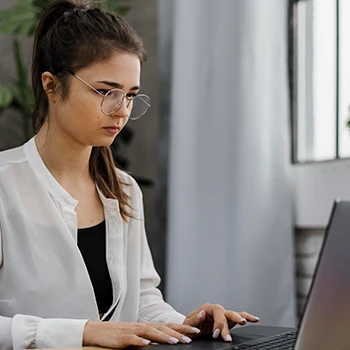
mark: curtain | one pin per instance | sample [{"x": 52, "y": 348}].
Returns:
[{"x": 230, "y": 232}]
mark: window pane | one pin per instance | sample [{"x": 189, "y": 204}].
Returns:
[
  {"x": 304, "y": 150},
  {"x": 316, "y": 80},
  {"x": 344, "y": 77}
]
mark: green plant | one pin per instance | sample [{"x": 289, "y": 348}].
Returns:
[{"x": 21, "y": 20}]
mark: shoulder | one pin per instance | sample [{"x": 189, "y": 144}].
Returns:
[
  {"x": 131, "y": 187},
  {"x": 125, "y": 177},
  {"x": 8, "y": 160},
  {"x": 12, "y": 156}
]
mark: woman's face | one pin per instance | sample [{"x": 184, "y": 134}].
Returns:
[{"x": 79, "y": 115}]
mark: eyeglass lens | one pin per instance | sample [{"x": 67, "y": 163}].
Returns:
[{"x": 138, "y": 106}]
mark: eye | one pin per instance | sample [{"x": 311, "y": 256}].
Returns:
[
  {"x": 131, "y": 95},
  {"x": 102, "y": 91}
]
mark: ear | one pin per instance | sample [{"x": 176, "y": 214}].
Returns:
[{"x": 50, "y": 85}]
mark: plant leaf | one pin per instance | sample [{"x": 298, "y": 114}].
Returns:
[
  {"x": 24, "y": 100},
  {"x": 20, "y": 67},
  {"x": 18, "y": 19},
  {"x": 41, "y": 5},
  {"x": 6, "y": 96},
  {"x": 23, "y": 93},
  {"x": 120, "y": 7}
]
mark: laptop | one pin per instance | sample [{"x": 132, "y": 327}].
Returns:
[{"x": 325, "y": 324}]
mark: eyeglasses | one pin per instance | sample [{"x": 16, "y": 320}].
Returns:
[{"x": 112, "y": 100}]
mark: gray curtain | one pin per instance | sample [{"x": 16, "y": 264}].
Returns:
[{"x": 229, "y": 204}]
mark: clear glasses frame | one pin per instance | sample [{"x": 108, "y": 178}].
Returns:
[{"x": 130, "y": 99}]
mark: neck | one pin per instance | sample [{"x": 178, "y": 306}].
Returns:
[{"x": 66, "y": 159}]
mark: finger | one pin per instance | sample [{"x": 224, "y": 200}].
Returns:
[
  {"x": 249, "y": 317},
  {"x": 198, "y": 310},
  {"x": 136, "y": 341},
  {"x": 184, "y": 329},
  {"x": 210, "y": 308},
  {"x": 173, "y": 333},
  {"x": 220, "y": 325},
  {"x": 157, "y": 335},
  {"x": 196, "y": 319},
  {"x": 235, "y": 317}
]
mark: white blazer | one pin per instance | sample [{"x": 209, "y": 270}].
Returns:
[{"x": 46, "y": 295}]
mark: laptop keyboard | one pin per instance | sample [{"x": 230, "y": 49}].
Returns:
[{"x": 283, "y": 341}]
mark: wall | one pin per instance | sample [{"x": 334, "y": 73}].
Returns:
[{"x": 315, "y": 188}]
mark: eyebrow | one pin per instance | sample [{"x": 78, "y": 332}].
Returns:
[{"x": 119, "y": 86}]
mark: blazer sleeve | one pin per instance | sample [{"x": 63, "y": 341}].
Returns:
[
  {"x": 153, "y": 308},
  {"x": 5, "y": 333},
  {"x": 31, "y": 332}
]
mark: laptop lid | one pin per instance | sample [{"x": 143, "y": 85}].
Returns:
[{"x": 326, "y": 320}]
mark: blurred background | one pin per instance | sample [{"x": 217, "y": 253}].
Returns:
[{"x": 243, "y": 151}]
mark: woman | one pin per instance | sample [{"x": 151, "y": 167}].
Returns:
[{"x": 73, "y": 246}]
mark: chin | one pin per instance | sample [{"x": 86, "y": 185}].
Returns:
[{"x": 105, "y": 142}]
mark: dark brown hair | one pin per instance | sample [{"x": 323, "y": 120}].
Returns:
[{"x": 74, "y": 35}]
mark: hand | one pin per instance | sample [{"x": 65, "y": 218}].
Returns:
[
  {"x": 123, "y": 334},
  {"x": 213, "y": 318}
]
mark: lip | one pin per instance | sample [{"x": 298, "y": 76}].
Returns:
[{"x": 112, "y": 129}]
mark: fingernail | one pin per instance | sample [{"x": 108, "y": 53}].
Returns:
[
  {"x": 186, "y": 339},
  {"x": 145, "y": 341},
  {"x": 216, "y": 333},
  {"x": 200, "y": 314},
  {"x": 196, "y": 330},
  {"x": 173, "y": 340},
  {"x": 243, "y": 320},
  {"x": 228, "y": 338},
  {"x": 257, "y": 318}
]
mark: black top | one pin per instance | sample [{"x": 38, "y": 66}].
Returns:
[{"x": 92, "y": 245}]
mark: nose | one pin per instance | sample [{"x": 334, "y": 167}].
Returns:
[{"x": 122, "y": 112}]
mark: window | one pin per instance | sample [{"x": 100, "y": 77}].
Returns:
[{"x": 319, "y": 33}]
